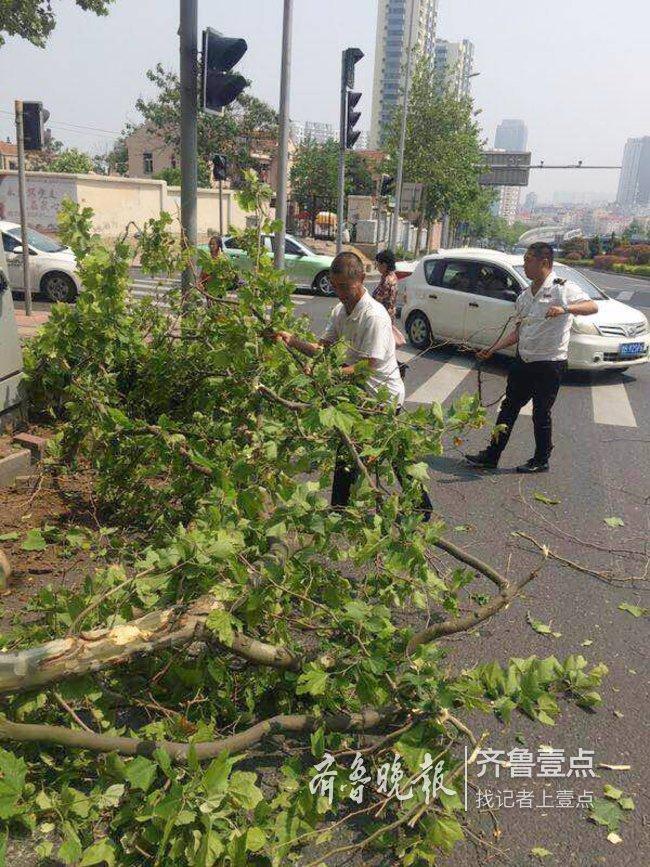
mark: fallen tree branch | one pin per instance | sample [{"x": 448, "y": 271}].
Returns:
[{"x": 281, "y": 724}]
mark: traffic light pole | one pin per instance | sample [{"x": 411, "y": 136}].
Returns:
[
  {"x": 341, "y": 191},
  {"x": 22, "y": 194},
  {"x": 189, "y": 119},
  {"x": 283, "y": 138},
  {"x": 392, "y": 241}
]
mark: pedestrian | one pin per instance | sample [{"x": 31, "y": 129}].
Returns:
[
  {"x": 386, "y": 290},
  {"x": 215, "y": 245},
  {"x": 543, "y": 318},
  {"x": 365, "y": 325}
]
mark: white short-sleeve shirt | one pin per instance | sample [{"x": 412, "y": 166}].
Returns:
[
  {"x": 368, "y": 332},
  {"x": 542, "y": 339}
]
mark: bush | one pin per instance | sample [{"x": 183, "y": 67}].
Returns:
[
  {"x": 632, "y": 270},
  {"x": 607, "y": 261},
  {"x": 578, "y": 247},
  {"x": 641, "y": 254},
  {"x": 574, "y": 256}
]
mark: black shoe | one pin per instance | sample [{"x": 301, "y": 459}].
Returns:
[
  {"x": 483, "y": 459},
  {"x": 534, "y": 465}
]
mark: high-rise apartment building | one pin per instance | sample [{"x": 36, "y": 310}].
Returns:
[
  {"x": 318, "y": 132},
  {"x": 634, "y": 182},
  {"x": 391, "y": 48},
  {"x": 453, "y": 62},
  {"x": 511, "y": 135}
]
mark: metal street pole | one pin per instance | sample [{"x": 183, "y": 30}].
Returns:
[
  {"x": 343, "y": 124},
  {"x": 220, "y": 209},
  {"x": 189, "y": 119},
  {"x": 283, "y": 138},
  {"x": 22, "y": 195},
  {"x": 392, "y": 241}
]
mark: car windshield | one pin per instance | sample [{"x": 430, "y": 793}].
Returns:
[
  {"x": 574, "y": 276},
  {"x": 39, "y": 242}
]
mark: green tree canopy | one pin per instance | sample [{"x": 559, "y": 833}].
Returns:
[
  {"x": 34, "y": 19},
  {"x": 246, "y": 127},
  {"x": 443, "y": 148},
  {"x": 314, "y": 171},
  {"x": 72, "y": 161}
]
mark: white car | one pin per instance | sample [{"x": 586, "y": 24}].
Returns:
[
  {"x": 467, "y": 296},
  {"x": 52, "y": 267},
  {"x": 11, "y": 359}
]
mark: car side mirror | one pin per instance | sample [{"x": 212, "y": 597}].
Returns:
[
  {"x": 18, "y": 250},
  {"x": 509, "y": 295}
]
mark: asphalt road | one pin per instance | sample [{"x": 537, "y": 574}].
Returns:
[{"x": 599, "y": 470}]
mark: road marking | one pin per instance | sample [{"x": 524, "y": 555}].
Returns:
[
  {"x": 406, "y": 353},
  {"x": 625, "y": 295},
  {"x": 440, "y": 385},
  {"x": 611, "y": 405}
]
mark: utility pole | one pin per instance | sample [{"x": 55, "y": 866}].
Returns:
[
  {"x": 392, "y": 241},
  {"x": 189, "y": 118},
  {"x": 22, "y": 195},
  {"x": 341, "y": 190},
  {"x": 283, "y": 138}
]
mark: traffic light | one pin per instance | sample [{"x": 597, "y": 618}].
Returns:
[
  {"x": 352, "y": 119},
  {"x": 351, "y": 56},
  {"x": 219, "y": 167},
  {"x": 387, "y": 185},
  {"x": 34, "y": 118},
  {"x": 219, "y": 85}
]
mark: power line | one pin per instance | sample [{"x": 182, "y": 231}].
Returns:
[{"x": 74, "y": 126}]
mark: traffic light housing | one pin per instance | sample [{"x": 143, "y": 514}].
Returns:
[
  {"x": 34, "y": 119},
  {"x": 352, "y": 119},
  {"x": 219, "y": 85},
  {"x": 219, "y": 167},
  {"x": 351, "y": 56}
]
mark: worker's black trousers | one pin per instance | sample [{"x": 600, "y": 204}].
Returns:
[
  {"x": 346, "y": 473},
  {"x": 539, "y": 380}
]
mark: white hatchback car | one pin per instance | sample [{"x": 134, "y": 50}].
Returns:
[
  {"x": 467, "y": 296},
  {"x": 52, "y": 267}
]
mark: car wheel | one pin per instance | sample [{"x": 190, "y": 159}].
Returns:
[
  {"x": 59, "y": 287},
  {"x": 322, "y": 284},
  {"x": 419, "y": 330}
]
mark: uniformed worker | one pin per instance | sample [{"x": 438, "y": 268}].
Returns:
[
  {"x": 365, "y": 325},
  {"x": 544, "y": 314}
]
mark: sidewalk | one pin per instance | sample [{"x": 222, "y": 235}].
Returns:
[{"x": 29, "y": 325}]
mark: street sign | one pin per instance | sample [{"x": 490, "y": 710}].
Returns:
[
  {"x": 506, "y": 168},
  {"x": 410, "y": 198}
]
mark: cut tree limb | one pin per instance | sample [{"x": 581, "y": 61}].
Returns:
[{"x": 281, "y": 724}]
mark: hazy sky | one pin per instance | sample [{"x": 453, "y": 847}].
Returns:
[{"x": 576, "y": 71}]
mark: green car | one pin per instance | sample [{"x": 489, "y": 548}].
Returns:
[{"x": 304, "y": 267}]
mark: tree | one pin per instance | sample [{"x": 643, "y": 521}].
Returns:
[
  {"x": 443, "y": 149},
  {"x": 34, "y": 19},
  {"x": 72, "y": 161},
  {"x": 315, "y": 167},
  {"x": 115, "y": 161},
  {"x": 246, "y": 127},
  {"x": 235, "y": 611}
]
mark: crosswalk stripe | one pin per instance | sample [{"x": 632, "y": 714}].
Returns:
[
  {"x": 441, "y": 384},
  {"x": 611, "y": 405},
  {"x": 625, "y": 295}
]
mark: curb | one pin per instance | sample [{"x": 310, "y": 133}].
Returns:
[{"x": 16, "y": 464}]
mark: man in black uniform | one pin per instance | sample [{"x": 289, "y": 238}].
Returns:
[{"x": 544, "y": 313}]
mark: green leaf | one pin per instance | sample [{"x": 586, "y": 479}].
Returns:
[
  {"x": 606, "y": 812},
  {"x": 221, "y": 623},
  {"x": 418, "y": 471},
  {"x": 255, "y": 839},
  {"x": 540, "y": 852},
  {"x": 140, "y": 773},
  {"x": 34, "y": 541},
  {"x": 544, "y": 498},
  {"x": 312, "y": 681},
  {"x": 612, "y": 792},
  {"x": 13, "y": 772},
  {"x": 614, "y": 522},
  {"x": 626, "y": 803},
  {"x": 9, "y": 537},
  {"x": 215, "y": 778},
  {"x": 70, "y": 850},
  {"x": 634, "y": 610},
  {"x": 101, "y": 852},
  {"x": 242, "y": 788},
  {"x": 542, "y": 628}
]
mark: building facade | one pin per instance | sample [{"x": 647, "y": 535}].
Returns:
[
  {"x": 8, "y": 156},
  {"x": 391, "y": 49},
  {"x": 511, "y": 135},
  {"x": 148, "y": 153},
  {"x": 318, "y": 132},
  {"x": 634, "y": 182},
  {"x": 453, "y": 62}
]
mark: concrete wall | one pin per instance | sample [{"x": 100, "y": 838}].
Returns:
[{"x": 115, "y": 201}]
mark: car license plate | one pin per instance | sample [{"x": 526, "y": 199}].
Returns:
[{"x": 626, "y": 350}]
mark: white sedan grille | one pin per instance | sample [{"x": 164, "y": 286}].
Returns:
[{"x": 631, "y": 330}]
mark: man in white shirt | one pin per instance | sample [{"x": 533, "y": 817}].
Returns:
[
  {"x": 366, "y": 327},
  {"x": 544, "y": 314}
]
